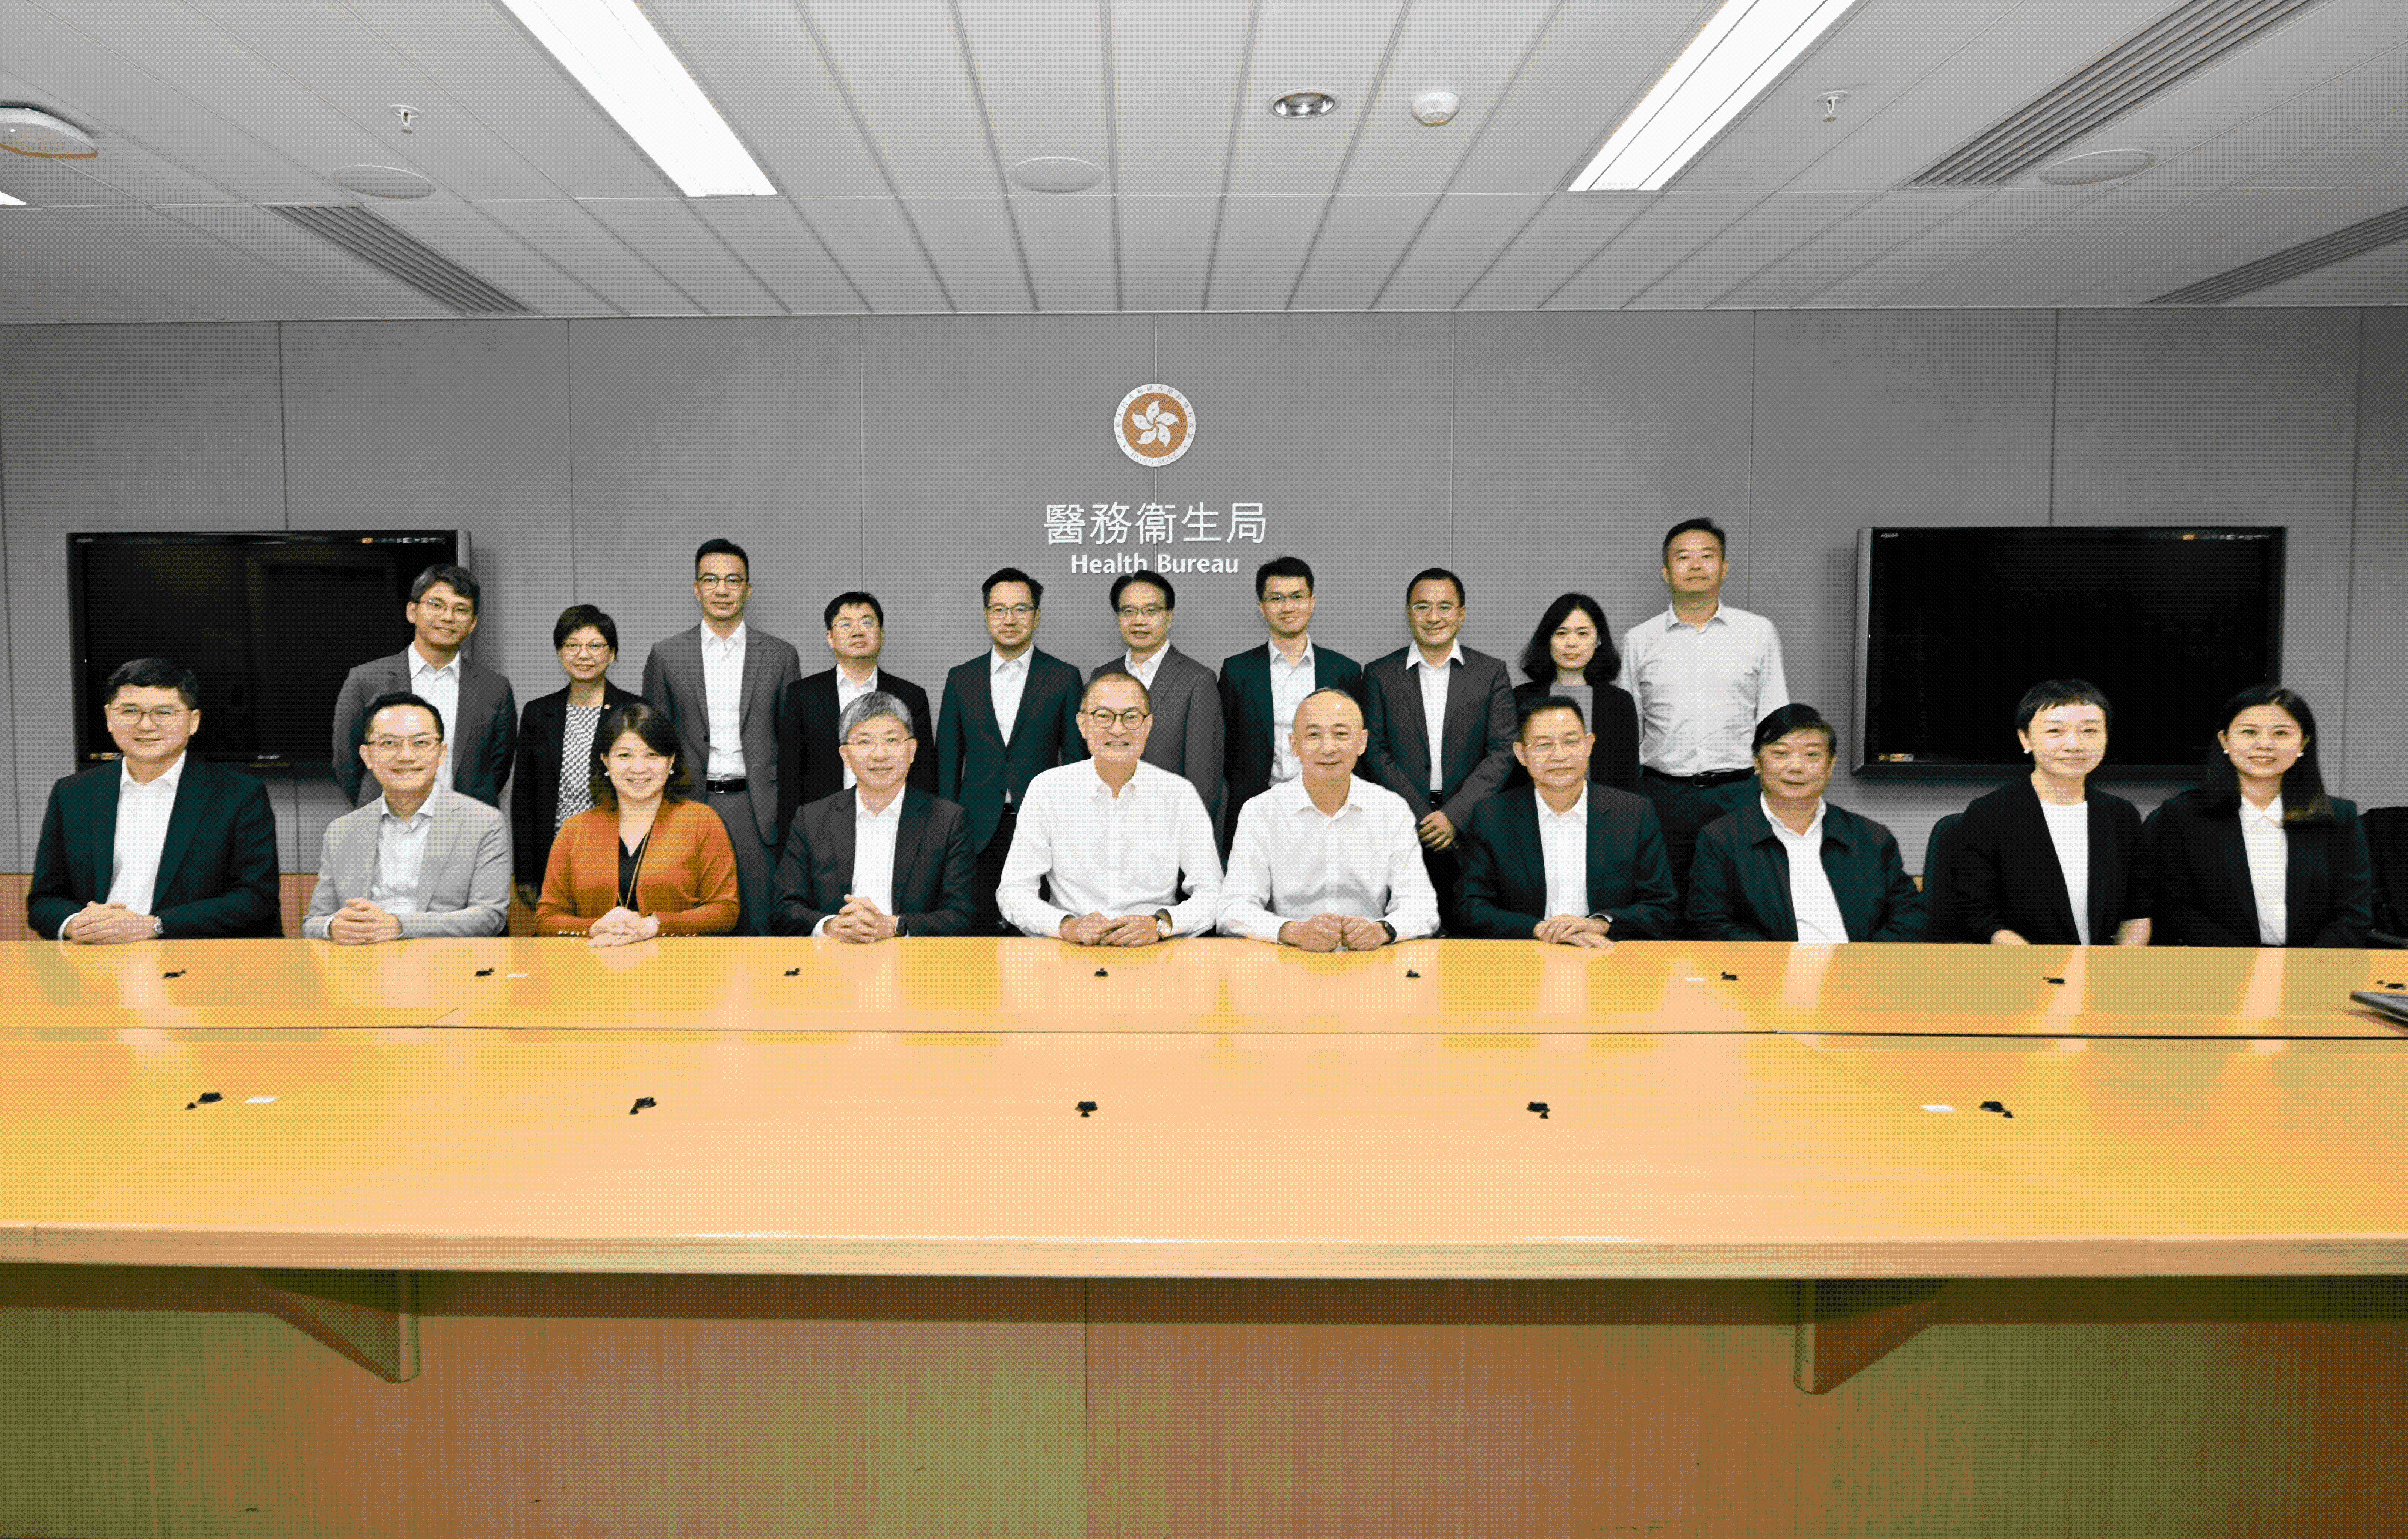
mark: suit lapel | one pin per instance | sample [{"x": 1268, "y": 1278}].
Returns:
[
  {"x": 191, "y": 791},
  {"x": 442, "y": 842},
  {"x": 1027, "y": 694},
  {"x": 2036, "y": 833},
  {"x": 754, "y": 663},
  {"x": 101, "y": 829},
  {"x": 1599, "y": 844},
  {"x": 2232, "y": 855},
  {"x": 1415, "y": 714},
  {"x": 1255, "y": 680},
  {"x": 908, "y": 854}
]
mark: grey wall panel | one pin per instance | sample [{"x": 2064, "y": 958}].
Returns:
[
  {"x": 2373, "y": 762},
  {"x": 1923, "y": 418},
  {"x": 118, "y": 428},
  {"x": 690, "y": 429},
  {"x": 1338, "y": 427},
  {"x": 1579, "y": 440},
  {"x": 8, "y": 818},
  {"x": 974, "y": 425}
]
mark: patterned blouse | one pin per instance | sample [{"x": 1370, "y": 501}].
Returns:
[{"x": 576, "y": 763}]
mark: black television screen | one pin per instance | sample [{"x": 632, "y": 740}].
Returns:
[
  {"x": 271, "y": 621},
  {"x": 1953, "y": 625}
]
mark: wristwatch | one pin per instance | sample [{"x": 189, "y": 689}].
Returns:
[
  {"x": 1162, "y": 923},
  {"x": 1389, "y": 927},
  {"x": 158, "y": 928}
]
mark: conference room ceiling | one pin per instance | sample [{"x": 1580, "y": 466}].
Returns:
[{"x": 889, "y": 128}]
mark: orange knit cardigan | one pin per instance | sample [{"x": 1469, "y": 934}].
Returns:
[{"x": 688, "y": 881}]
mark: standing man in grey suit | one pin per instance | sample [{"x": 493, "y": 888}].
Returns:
[
  {"x": 880, "y": 859},
  {"x": 1441, "y": 720},
  {"x": 418, "y": 861},
  {"x": 1187, "y": 735},
  {"x": 720, "y": 684},
  {"x": 477, "y": 701},
  {"x": 1261, "y": 689}
]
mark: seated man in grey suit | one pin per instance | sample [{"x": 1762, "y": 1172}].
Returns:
[
  {"x": 721, "y": 684},
  {"x": 882, "y": 858},
  {"x": 436, "y": 666},
  {"x": 418, "y": 861},
  {"x": 1563, "y": 858},
  {"x": 1187, "y": 732}
]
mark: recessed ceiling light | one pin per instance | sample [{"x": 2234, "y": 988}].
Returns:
[
  {"x": 1056, "y": 174},
  {"x": 1743, "y": 49},
  {"x": 1304, "y": 104},
  {"x": 620, "y": 59},
  {"x": 2097, "y": 165},
  {"x": 31, "y": 131},
  {"x": 383, "y": 182}
]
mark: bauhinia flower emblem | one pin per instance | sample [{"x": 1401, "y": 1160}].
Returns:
[{"x": 1153, "y": 425}]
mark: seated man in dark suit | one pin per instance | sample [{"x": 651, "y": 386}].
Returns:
[
  {"x": 883, "y": 858},
  {"x": 418, "y": 861},
  {"x": 1563, "y": 858},
  {"x": 1260, "y": 689},
  {"x": 1792, "y": 867},
  {"x": 476, "y": 702},
  {"x": 160, "y": 843},
  {"x": 810, "y": 757}
]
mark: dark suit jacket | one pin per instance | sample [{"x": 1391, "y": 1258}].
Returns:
[
  {"x": 673, "y": 682},
  {"x": 1614, "y": 760},
  {"x": 534, "y": 776},
  {"x": 1738, "y": 887},
  {"x": 808, "y": 769},
  {"x": 1476, "y": 741},
  {"x": 1247, "y": 714},
  {"x": 1503, "y": 891},
  {"x": 217, "y": 870},
  {"x": 2006, "y": 875},
  {"x": 481, "y": 739},
  {"x": 1187, "y": 736},
  {"x": 974, "y": 767},
  {"x": 2204, "y": 898},
  {"x": 934, "y": 866}
]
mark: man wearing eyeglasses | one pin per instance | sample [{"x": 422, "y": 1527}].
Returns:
[
  {"x": 418, "y": 861},
  {"x": 159, "y": 844},
  {"x": 1006, "y": 715},
  {"x": 880, "y": 858},
  {"x": 1117, "y": 839},
  {"x": 477, "y": 701},
  {"x": 721, "y": 684},
  {"x": 812, "y": 765},
  {"x": 1186, "y": 734}
]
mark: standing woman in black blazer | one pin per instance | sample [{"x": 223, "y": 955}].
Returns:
[
  {"x": 558, "y": 729},
  {"x": 2050, "y": 859},
  {"x": 2258, "y": 855},
  {"x": 1571, "y": 654}
]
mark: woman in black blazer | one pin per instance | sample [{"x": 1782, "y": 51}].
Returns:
[
  {"x": 559, "y": 727},
  {"x": 1572, "y": 654},
  {"x": 2010, "y": 885},
  {"x": 2262, "y": 809}
]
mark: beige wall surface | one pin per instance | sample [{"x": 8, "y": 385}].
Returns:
[{"x": 1534, "y": 452}]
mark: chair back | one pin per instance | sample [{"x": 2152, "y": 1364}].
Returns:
[{"x": 1939, "y": 880}]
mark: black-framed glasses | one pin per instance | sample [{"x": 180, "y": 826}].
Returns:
[{"x": 1127, "y": 720}]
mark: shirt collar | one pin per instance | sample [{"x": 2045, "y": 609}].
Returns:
[
  {"x": 713, "y": 642},
  {"x": 164, "y": 783},
  {"x": 1813, "y": 831},
  {"x": 425, "y": 809},
  {"x": 1453, "y": 655},
  {"x": 1105, "y": 792},
  {"x": 996, "y": 663},
  {"x": 891, "y": 813},
  {"x": 1579, "y": 812},
  {"x": 1279, "y": 658},
  {"x": 844, "y": 682},
  {"x": 1673, "y": 620},
  {"x": 420, "y": 667},
  {"x": 1298, "y": 799},
  {"x": 2255, "y": 817}
]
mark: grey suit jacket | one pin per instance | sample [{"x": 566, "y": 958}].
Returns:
[
  {"x": 463, "y": 878},
  {"x": 1476, "y": 742},
  {"x": 482, "y": 739},
  {"x": 1187, "y": 728},
  {"x": 673, "y": 683}
]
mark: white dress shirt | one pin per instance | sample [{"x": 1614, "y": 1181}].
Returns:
[
  {"x": 400, "y": 854},
  {"x": 2269, "y": 849},
  {"x": 846, "y": 693},
  {"x": 1701, "y": 689},
  {"x": 1434, "y": 682},
  {"x": 1290, "y": 684},
  {"x": 1809, "y": 885},
  {"x": 1563, "y": 844},
  {"x": 1144, "y": 672},
  {"x": 1290, "y": 861},
  {"x": 440, "y": 689},
  {"x": 2069, "y": 829},
  {"x": 873, "y": 855},
  {"x": 142, "y": 813},
  {"x": 723, "y": 700},
  {"x": 1006, "y": 680},
  {"x": 1107, "y": 854}
]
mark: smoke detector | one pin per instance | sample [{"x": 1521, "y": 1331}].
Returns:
[{"x": 31, "y": 131}]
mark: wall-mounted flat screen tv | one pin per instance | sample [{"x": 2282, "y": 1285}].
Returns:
[
  {"x": 1953, "y": 625},
  {"x": 271, "y": 621}
]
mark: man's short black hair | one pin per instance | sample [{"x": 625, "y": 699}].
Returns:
[
  {"x": 391, "y": 699},
  {"x": 1691, "y": 525},
  {"x": 1792, "y": 718},
  {"x": 2050, "y": 692},
  {"x": 1549, "y": 703},
  {"x": 1437, "y": 574},
  {"x": 1170, "y": 597},
  {"x": 460, "y": 579},
  {"x": 576, "y": 617},
  {"x": 827, "y": 615},
  {"x": 1281, "y": 566},
  {"x": 1012, "y": 574},
  {"x": 155, "y": 674},
  {"x": 723, "y": 547}
]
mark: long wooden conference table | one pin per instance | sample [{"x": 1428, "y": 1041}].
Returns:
[{"x": 752, "y": 1237}]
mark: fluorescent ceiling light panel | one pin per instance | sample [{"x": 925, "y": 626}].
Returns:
[
  {"x": 1744, "y": 48},
  {"x": 621, "y": 59}
]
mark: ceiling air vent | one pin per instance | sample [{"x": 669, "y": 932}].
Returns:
[
  {"x": 2307, "y": 257},
  {"x": 400, "y": 256},
  {"x": 2179, "y": 44}
]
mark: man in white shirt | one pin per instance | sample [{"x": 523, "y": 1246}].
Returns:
[
  {"x": 1117, "y": 839},
  {"x": 1326, "y": 861},
  {"x": 1702, "y": 675},
  {"x": 478, "y": 704},
  {"x": 882, "y": 858},
  {"x": 1261, "y": 688},
  {"x": 1184, "y": 736},
  {"x": 419, "y": 860}
]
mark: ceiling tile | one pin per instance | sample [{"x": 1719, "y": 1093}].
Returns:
[
  {"x": 903, "y": 67},
  {"x": 873, "y": 242},
  {"x": 683, "y": 250},
  {"x": 1890, "y": 221},
  {"x": 1567, "y": 233},
  {"x": 153, "y": 249},
  {"x": 1040, "y": 71},
  {"x": 56, "y": 286},
  {"x": 970, "y": 240},
  {"x": 1262, "y": 243},
  {"x": 1457, "y": 245},
  {"x": 468, "y": 236},
  {"x": 2221, "y": 230},
  {"x": 1358, "y": 247},
  {"x": 1175, "y": 71},
  {"x": 1988, "y": 219},
  {"x": 48, "y": 183},
  {"x": 1468, "y": 50},
  {"x": 1166, "y": 243},
  {"x": 1765, "y": 234},
  {"x": 257, "y": 234},
  {"x": 569, "y": 237},
  {"x": 2374, "y": 278},
  {"x": 125, "y": 167},
  {"x": 1676, "y": 225},
  {"x": 2077, "y": 227},
  {"x": 782, "y": 250},
  {"x": 1069, "y": 244},
  {"x": 760, "y": 66},
  {"x": 1594, "y": 62},
  {"x": 2372, "y": 155},
  {"x": 1318, "y": 45}
]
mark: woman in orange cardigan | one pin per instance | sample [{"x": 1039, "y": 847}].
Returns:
[{"x": 644, "y": 861}]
